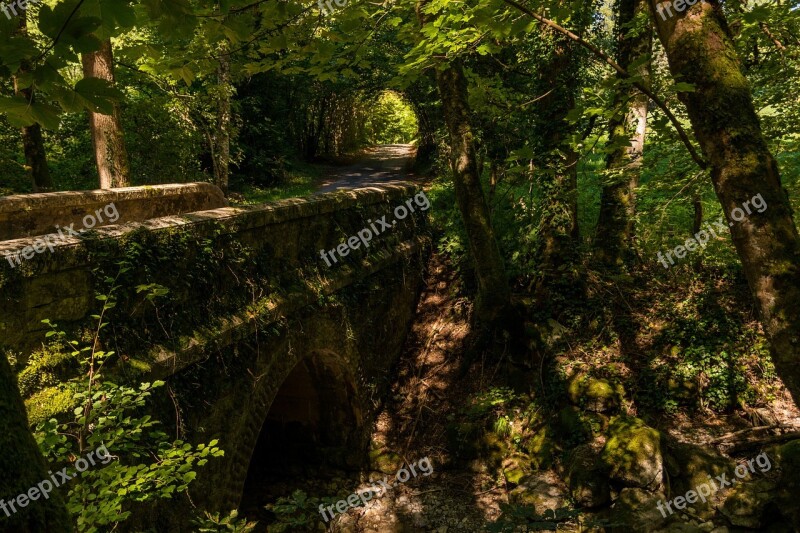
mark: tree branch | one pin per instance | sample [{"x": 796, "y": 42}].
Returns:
[{"x": 622, "y": 72}]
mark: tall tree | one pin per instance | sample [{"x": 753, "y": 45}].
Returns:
[
  {"x": 32, "y": 142},
  {"x": 558, "y": 172},
  {"x": 494, "y": 297},
  {"x": 701, "y": 52},
  {"x": 108, "y": 140},
  {"x": 23, "y": 469},
  {"x": 615, "y": 226}
]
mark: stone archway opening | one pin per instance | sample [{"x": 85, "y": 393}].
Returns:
[{"x": 313, "y": 430}]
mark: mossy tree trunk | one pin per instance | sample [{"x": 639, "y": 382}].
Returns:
[
  {"x": 615, "y": 226},
  {"x": 22, "y": 468},
  {"x": 32, "y": 142},
  {"x": 110, "y": 153},
  {"x": 701, "y": 52},
  {"x": 557, "y": 169},
  {"x": 494, "y": 296}
]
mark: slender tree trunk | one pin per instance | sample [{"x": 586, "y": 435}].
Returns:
[
  {"x": 32, "y": 142},
  {"x": 615, "y": 227},
  {"x": 107, "y": 136},
  {"x": 700, "y": 51},
  {"x": 494, "y": 297},
  {"x": 222, "y": 133},
  {"x": 23, "y": 468},
  {"x": 558, "y": 229}
]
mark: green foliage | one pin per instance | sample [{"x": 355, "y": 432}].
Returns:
[
  {"x": 391, "y": 121},
  {"x": 298, "y": 512},
  {"x": 215, "y": 523},
  {"x": 148, "y": 464}
]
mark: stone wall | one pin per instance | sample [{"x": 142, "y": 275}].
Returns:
[{"x": 26, "y": 215}]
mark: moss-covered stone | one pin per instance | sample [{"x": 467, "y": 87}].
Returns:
[
  {"x": 46, "y": 368},
  {"x": 49, "y": 403},
  {"x": 632, "y": 453},
  {"x": 595, "y": 394},
  {"x": 516, "y": 467},
  {"x": 541, "y": 447},
  {"x": 385, "y": 460}
]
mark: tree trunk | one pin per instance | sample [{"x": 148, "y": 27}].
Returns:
[
  {"x": 700, "y": 51},
  {"x": 558, "y": 229},
  {"x": 23, "y": 468},
  {"x": 107, "y": 137},
  {"x": 32, "y": 142},
  {"x": 494, "y": 296},
  {"x": 222, "y": 133},
  {"x": 615, "y": 227}
]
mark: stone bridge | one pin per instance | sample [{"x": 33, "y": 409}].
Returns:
[{"x": 262, "y": 344}]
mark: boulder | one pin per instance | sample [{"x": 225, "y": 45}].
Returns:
[
  {"x": 595, "y": 394},
  {"x": 632, "y": 454}
]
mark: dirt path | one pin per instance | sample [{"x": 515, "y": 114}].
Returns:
[{"x": 379, "y": 165}]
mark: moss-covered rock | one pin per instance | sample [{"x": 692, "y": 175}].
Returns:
[
  {"x": 516, "y": 467},
  {"x": 49, "y": 403},
  {"x": 46, "y": 368},
  {"x": 595, "y": 394},
  {"x": 540, "y": 447},
  {"x": 385, "y": 460},
  {"x": 632, "y": 453}
]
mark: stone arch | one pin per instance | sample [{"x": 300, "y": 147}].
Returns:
[{"x": 313, "y": 418}]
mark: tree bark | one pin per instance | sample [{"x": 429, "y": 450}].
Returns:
[
  {"x": 701, "y": 52},
  {"x": 558, "y": 229},
  {"x": 23, "y": 468},
  {"x": 108, "y": 140},
  {"x": 222, "y": 133},
  {"x": 494, "y": 296},
  {"x": 615, "y": 226},
  {"x": 32, "y": 142}
]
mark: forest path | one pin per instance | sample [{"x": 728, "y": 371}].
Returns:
[{"x": 378, "y": 165}]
